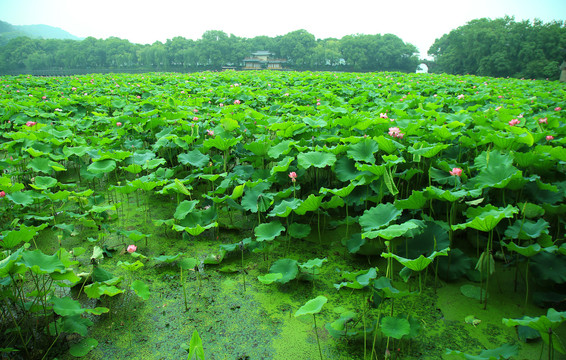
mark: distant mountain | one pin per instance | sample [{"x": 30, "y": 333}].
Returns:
[{"x": 9, "y": 31}]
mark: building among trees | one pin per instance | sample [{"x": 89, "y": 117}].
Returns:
[{"x": 263, "y": 60}]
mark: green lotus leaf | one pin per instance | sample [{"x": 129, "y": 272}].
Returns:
[
  {"x": 383, "y": 284},
  {"x": 527, "y": 251},
  {"x": 282, "y": 165},
  {"x": 268, "y": 231},
  {"x": 548, "y": 266},
  {"x": 395, "y": 327},
  {"x": 167, "y": 258},
  {"x": 21, "y": 198},
  {"x": 387, "y": 145},
  {"x": 379, "y": 216},
  {"x": 333, "y": 203},
  {"x": 141, "y": 289},
  {"x": 358, "y": 279},
  {"x": 315, "y": 158},
  {"x": 313, "y": 263},
  {"x": 552, "y": 320},
  {"x": 194, "y": 158},
  {"x": 269, "y": 278},
  {"x": 96, "y": 290},
  {"x": 184, "y": 208},
  {"x": 40, "y": 263},
  {"x": 486, "y": 218},
  {"x": 260, "y": 147},
  {"x": 313, "y": 306},
  {"x": 441, "y": 194},
  {"x": 220, "y": 143},
  {"x": 130, "y": 266},
  {"x": 531, "y": 210},
  {"x": 138, "y": 157},
  {"x": 363, "y": 151},
  {"x": 66, "y": 306},
  {"x": 506, "y": 351},
  {"x": 9, "y": 265},
  {"x": 299, "y": 231},
  {"x": 342, "y": 192},
  {"x": 433, "y": 237},
  {"x": 74, "y": 324},
  {"x": 454, "y": 267},
  {"x": 287, "y": 267},
  {"x": 281, "y": 148},
  {"x": 44, "y": 165},
  {"x": 252, "y": 194},
  {"x": 76, "y": 150},
  {"x": 83, "y": 347},
  {"x": 419, "y": 263},
  {"x": 15, "y": 237},
  {"x": 44, "y": 182},
  {"x": 285, "y": 207},
  {"x": 345, "y": 169},
  {"x": 527, "y": 229},
  {"x": 392, "y": 231},
  {"x": 188, "y": 263},
  {"x": 59, "y": 195},
  {"x": 101, "y": 167},
  {"x": 311, "y": 203},
  {"x": 416, "y": 201},
  {"x": 146, "y": 185},
  {"x": 421, "y": 149},
  {"x": 198, "y": 229},
  {"x": 133, "y": 235}
]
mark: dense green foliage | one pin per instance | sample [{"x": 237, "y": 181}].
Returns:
[
  {"x": 428, "y": 174},
  {"x": 212, "y": 51},
  {"x": 502, "y": 47}
]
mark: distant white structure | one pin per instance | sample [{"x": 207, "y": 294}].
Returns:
[{"x": 422, "y": 69}]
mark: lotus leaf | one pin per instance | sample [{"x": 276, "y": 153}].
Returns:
[
  {"x": 313, "y": 306},
  {"x": 287, "y": 267},
  {"x": 316, "y": 159},
  {"x": 379, "y": 216},
  {"x": 268, "y": 231},
  {"x": 395, "y": 327}
]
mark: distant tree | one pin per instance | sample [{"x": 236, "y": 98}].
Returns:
[
  {"x": 298, "y": 47},
  {"x": 501, "y": 47}
]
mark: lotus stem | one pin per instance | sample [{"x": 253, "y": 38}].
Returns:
[{"x": 317, "y": 339}]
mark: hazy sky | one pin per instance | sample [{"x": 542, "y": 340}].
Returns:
[{"x": 142, "y": 21}]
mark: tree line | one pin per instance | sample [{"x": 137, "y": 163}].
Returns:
[
  {"x": 501, "y": 48},
  {"x": 214, "y": 50}
]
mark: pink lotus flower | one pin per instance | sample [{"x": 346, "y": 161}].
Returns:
[
  {"x": 31, "y": 123},
  {"x": 44, "y": 97},
  {"x": 195, "y": 111},
  {"x": 549, "y": 137},
  {"x": 383, "y": 115},
  {"x": 514, "y": 122},
  {"x": 195, "y": 118},
  {"x": 237, "y": 102},
  {"x": 132, "y": 248},
  {"x": 558, "y": 108},
  {"x": 210, "y": 132},
  {"x": 118, "y": 124},
  {"x": 395, "y": 132},
  {"x": 542, "y": 120},
  {"x": 456, "y": 172},
  {"x": 293, "y": 176},
  {"x": 2, "y": 194},
  {"x": 460, "y": 97},
  {"x": 221, "y": 105}
]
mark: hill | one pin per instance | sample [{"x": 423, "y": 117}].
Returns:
[{"x": 9, "y": 31}]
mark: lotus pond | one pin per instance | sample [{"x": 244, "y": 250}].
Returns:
[{"x": 282, "y": 215}]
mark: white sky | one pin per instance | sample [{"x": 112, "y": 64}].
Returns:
[{"x": 143, "y": 21}]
